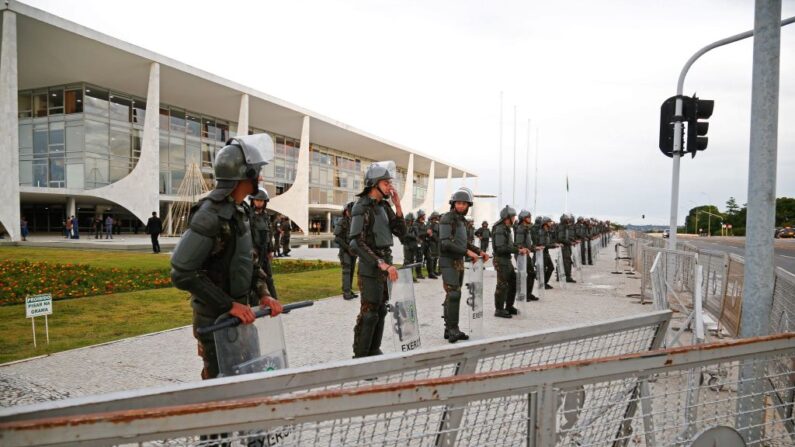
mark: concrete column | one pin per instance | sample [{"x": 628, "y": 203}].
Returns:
[
  {"x": 242, "y": 117},
  {"x": 464, "y": 180},
  {"x": 448, "y": 191},
  {"x": 407, "y": 199},
  {"x": 9, "y": 127},
  {"x": 138, "y": 192},
  {"x": 71, "y": 207},
  {"x": 328, "y": 222},
  {"x": 170, "y": 219},
  {"x": 427, "y": 204},
  {"x": 294, "y": 203}
]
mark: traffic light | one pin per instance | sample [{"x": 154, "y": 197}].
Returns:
[
  {"x": 667, "y": 112},
  {"x": 694, "y": 110}
]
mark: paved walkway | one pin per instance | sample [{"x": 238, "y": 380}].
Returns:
[{"x": 314, "y": 335}]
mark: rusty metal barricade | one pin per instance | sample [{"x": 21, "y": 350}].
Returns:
[{"x": 664, "y": 397}]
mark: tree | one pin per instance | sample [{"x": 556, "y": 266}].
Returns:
[
  {"x": 709, "y": 224},
  {"x": 785, "y": 211},
  {"x": 731, "y": 207}
]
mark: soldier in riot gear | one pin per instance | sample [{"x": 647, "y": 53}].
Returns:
[
  {"x": 432, "y": 246},
  {"x": 277, "y": 236},
  {"x": 454, "y": 246},
  {"x": 547, "y": 238},
  {"x": 285, "y": 228},
  {"x": 409, "y": 242},
  {"x": 420, "y": 227},
  {"x": 214, "y": 259},
  {"x": 504, "y": 249},
  {"x": 589, "y": 233},
  {"x": 261, "y": 234},
  {"x": 524, "y": 243},
  {"x": 346, "y": 254},
  {"x": 470, "y": 230},
  {"x": 484, "y": 234},
  {"x": 580, "y": 231},
  {"x": 566, "y": 236},
  {"x": 373, "y": 223}
]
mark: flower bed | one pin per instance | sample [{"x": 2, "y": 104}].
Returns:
[{"x": 19, "y": 279}]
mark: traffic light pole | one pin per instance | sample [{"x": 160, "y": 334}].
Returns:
[{"x": 678, "y": 124}]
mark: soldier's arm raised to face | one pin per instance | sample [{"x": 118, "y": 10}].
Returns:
[{"x": 187, "y": 262}]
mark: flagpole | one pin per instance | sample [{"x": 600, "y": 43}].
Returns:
[
  {"x": 566, "y": 205},
  {"x": 527, "y": 167},
  {"x": 513, "y": 186},
  {"x": 535, "y": 193},
  {"x": 499, "y": 177}
]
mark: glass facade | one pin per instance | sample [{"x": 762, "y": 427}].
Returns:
[{"x": 82, "y": 136}]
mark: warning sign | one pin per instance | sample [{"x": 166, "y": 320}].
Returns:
[{"x": 38, "y": 305}]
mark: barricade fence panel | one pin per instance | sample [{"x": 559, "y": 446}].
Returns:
[
  {"x": 616, "y": 337},
  {"x": 666, "y": 397}
]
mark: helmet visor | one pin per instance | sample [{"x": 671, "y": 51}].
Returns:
[
  {"x": 383, "y": 170},
  {"x": 257, "y": 149}
]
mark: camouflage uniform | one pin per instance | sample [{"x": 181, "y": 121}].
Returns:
[{"x": 504, "y": 249}]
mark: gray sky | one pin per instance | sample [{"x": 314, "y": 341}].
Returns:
[{"x": 428, "y": 74}]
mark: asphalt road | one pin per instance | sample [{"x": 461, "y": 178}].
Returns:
[{"x": 784, "y": 249}]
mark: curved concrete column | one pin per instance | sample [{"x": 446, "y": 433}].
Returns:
[
  {"x": 242, "y": 116},
  {"x": 294, "y": 203},
  {"x": 407, "y": 198},
  {"x": 9, "y": 127},
  {"x": 448, "y": 191},
  {"x": 138, "y": 192},
  {"x": 427, "y": 204}
]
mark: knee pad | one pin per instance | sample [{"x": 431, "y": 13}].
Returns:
[{"x": 454, "y": 294}]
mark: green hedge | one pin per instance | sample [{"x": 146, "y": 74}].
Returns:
[{"x": 19, "y": 279}]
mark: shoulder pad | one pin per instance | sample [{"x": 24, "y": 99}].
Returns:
[
  {"x": 205, "y": 220},
  {"x": 359, "y": 207},
  {"x": 447, "y": 218}
]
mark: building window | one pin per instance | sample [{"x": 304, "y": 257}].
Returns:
[
  {"x": 194, "y": 126},
  {"x": 25, "y": 105},
  {"x": 139, "y": 111},
  {"x": 40, "y": 104},
  {"x": 120, "y": 108},
  {"x": 177, "y": 121},
  {"x": 74, "y": 101},
  {"x": 55, "y": 99},
  {"x": 96, "y": 101}
]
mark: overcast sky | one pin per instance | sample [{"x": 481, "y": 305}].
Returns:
[{"x": 591, "y": 76}]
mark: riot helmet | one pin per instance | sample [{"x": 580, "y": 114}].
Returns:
[
  {"x": 507, "y": 212},
  {"x": 410, "y": 216},
  {"x": 463, "y": 194},
  {"x": 260, "y": 195},
  {"x": 420, "y": 214},
  {"x": 243, "y": 157},
  {"x": 382, "y": 170},
  {"x": 435, "y": 215},
  {"x": 485, "y": 224}
]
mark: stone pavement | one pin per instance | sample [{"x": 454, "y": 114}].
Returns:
[{"x": 314, "y": 335}]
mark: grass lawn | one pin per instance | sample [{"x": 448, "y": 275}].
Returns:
[
  {"x": 98, "y": 319},
  {"x": 96, "y": 258}
]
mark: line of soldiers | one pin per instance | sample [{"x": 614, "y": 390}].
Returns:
[{"x": 534, "y": 238}]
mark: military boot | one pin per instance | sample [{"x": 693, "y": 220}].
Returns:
[
  {"x": 454, "y": 334},
  {"x": 512, "y": 310},
  {"x": 502, "y": 313}
]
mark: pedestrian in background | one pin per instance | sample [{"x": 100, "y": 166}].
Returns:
[
  {"x": 23, "y": 223},
  {"x": 108, "y": 227},
  {"x": 75, "y": 228},
  {"x": 97, "y": 227},
  {"x": 68, "y": 228},
  {"x": 154, "y": 226}
]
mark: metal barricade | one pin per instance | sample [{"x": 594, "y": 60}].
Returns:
[
  {"x": 666, "y": 397},
  {"x": 493, "y": 356}
]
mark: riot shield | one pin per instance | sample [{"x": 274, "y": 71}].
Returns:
[
  {"x": 473, "y": 280},
  {"x": 250, "y": 348},
  {"x": 540, "y": 272},
  {"x": 577, "y": 259},
  {"x": 559, "y": 270},
  {"x": 521, "y": 278},
  {"x": 403, "y": 310}
]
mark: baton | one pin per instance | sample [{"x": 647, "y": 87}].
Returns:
[
  {"x": 411, "y": 266},
  {"x": 234, "y": 321}
]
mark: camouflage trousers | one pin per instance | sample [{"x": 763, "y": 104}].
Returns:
[
  {"x": 565, "y": 252},
  {"x": 452, "y": 278},
  {"x": 369, "y": 329},
  {"x": 505, "y": 293}
]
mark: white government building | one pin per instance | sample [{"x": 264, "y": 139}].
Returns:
[{"x": 92, "y": 126}]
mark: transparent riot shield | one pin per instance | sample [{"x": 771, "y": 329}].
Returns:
[
  {"x": 540, "y": 272},
  {"x": 577, "y": 259},
  {"x": 521, "y": 278},
  {"x": 251, "y": 348},
  {"x": 403, "y": 311},
  {"x": 559, "y": 269},
  {"x": 473, "y": 292}
]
